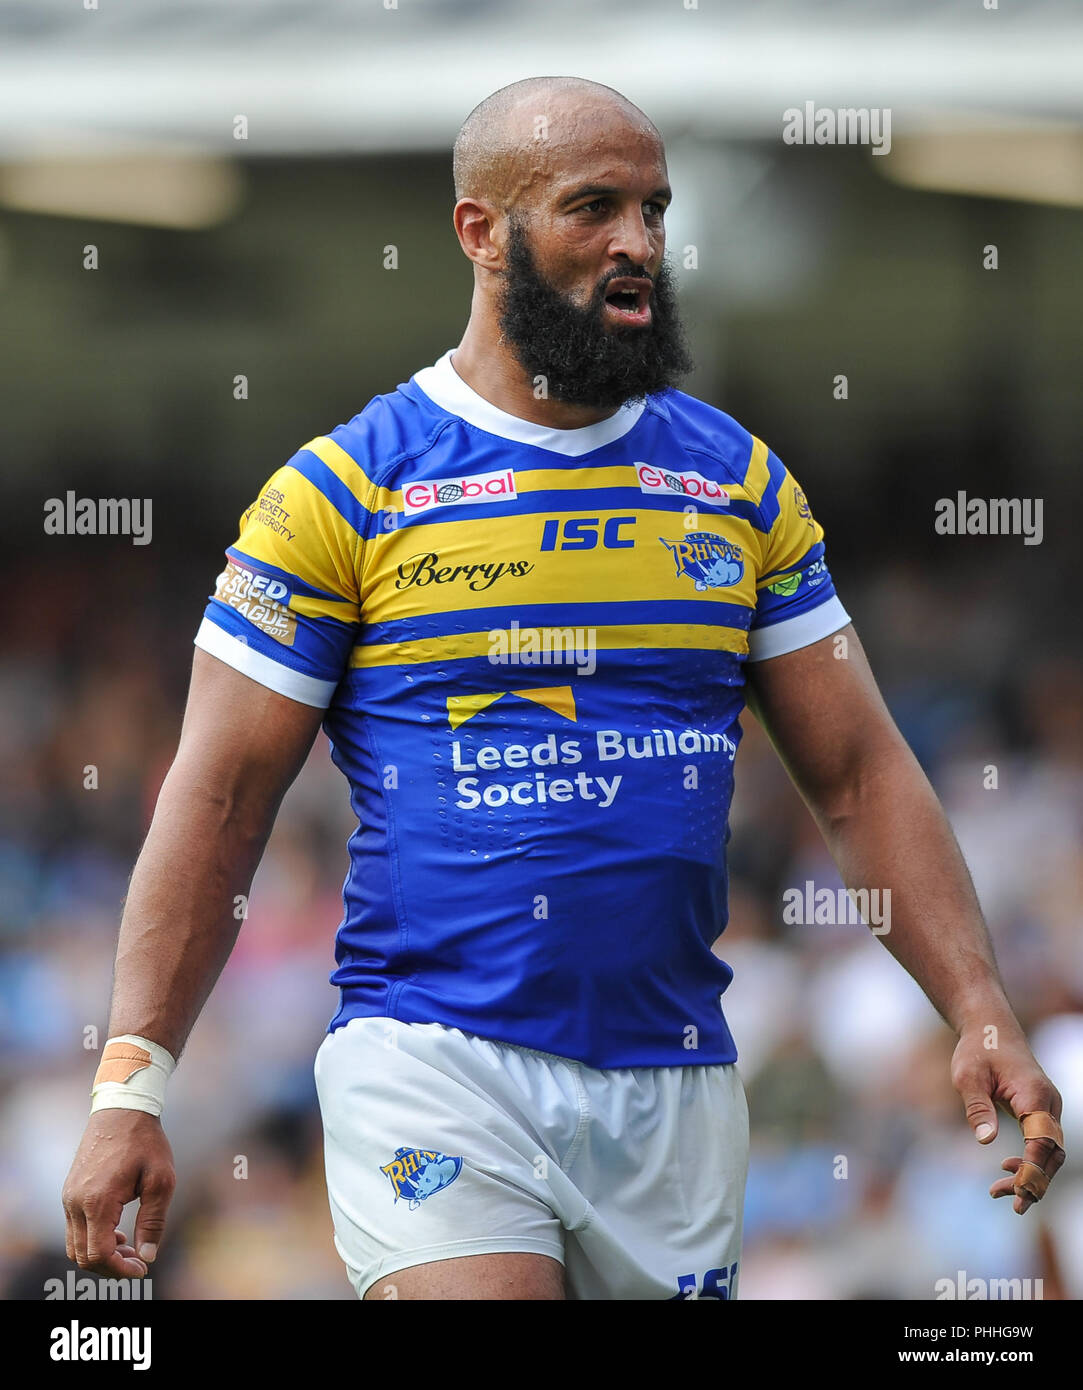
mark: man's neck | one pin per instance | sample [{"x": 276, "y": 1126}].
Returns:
[{"x": 492, "y": 370}]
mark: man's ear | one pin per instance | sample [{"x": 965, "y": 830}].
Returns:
[{"x": 482, "y": 232}]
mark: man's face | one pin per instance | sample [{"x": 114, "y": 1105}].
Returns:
[{"x": 587, "y": 301}]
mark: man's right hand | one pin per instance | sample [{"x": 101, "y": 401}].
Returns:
[{"x": 124, "y": 1154}]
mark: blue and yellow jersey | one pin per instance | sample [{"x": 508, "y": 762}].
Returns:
[{"x": 530, "y": 644}]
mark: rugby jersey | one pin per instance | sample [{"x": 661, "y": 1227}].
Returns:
[{"x": 530, "y": 644}]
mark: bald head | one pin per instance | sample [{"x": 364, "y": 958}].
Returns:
[
  {"x": 561, "y": 191},
  {"x": 514, "y": 142}
]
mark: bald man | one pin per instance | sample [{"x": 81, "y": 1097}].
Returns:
[{"x": 527, "y": 594}]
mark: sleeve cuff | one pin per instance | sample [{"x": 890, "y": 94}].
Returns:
[
  {"x": 793, "y": 633},
  {"x": 307, "y": 690}
]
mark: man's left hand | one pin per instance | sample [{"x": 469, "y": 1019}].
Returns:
[{"x": 1007, "y": 1074}]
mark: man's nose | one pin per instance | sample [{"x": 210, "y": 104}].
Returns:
[{"x": 631, "y": 241}]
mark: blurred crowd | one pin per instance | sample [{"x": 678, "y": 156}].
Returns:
[{"x": 865, "y": 1180}]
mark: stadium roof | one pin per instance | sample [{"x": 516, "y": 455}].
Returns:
[{"x": 343, "y": 76}]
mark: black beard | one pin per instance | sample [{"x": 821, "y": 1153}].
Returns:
[{"x": 584, "y": 362}]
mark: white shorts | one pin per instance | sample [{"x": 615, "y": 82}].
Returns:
[{"x": 440, "y": 1144}]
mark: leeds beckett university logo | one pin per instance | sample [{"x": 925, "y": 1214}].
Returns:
[
  {"x": 417, "y": 1173},
  {"x": 452, "y": 492},
  {"x": 710, "y": 560}
]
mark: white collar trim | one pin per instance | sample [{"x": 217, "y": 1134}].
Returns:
[{"x": 446, "y": 388}]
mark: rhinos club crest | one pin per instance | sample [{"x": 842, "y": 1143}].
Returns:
[
  {"x": 417, "y": 1173},
  {"x": 711, "y": 561}
]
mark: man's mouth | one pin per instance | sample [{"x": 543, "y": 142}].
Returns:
[{"x": 627, "y": 301}]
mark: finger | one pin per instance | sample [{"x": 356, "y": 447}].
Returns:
[
  {"x": 78, "y": 1232},
  {"x": 981, "y": 1114},
  {"x": 119, "y": 1263},
  {"x": 126, "y": 1264},
  {"x": 123, "y": 1247},
  {"x": 1022, "y": 1201},
  {"x": 69, "y": 1234},
  {"x": 1005, "y": 1187},
  {"x": 1042, "y": 1146},
  {"x": 1045, "y": 1153},
  {"x": 125, "y": 1258},
  {"x": 155, "y": 1194},
  {"x": 101, "y": 1224}
]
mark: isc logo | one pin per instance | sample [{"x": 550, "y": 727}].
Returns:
[{"x": 581, "y": 533}]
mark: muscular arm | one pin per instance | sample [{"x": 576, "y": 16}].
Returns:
[
  {"x": 881, "y": 820},
  {"x": 241, "y": 746},
  {"x": 885, "y": 829}
]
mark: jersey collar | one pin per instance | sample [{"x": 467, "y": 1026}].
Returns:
[{"x": 446, "y": 388}]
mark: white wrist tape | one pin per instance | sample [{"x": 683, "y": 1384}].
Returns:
[{"x": 132, "y": 1075}]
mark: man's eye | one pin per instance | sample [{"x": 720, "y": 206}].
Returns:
[{"x": 654, "y": 209}]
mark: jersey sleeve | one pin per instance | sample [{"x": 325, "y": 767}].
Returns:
[
  {"x": 286, "y": 609},
  {"x": 796, "y": 603}
]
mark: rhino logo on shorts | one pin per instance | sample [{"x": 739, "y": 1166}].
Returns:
[{"x": 417, "y": 1173}]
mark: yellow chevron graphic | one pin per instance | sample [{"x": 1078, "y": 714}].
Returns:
[{"x": 559, "y": 698}]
